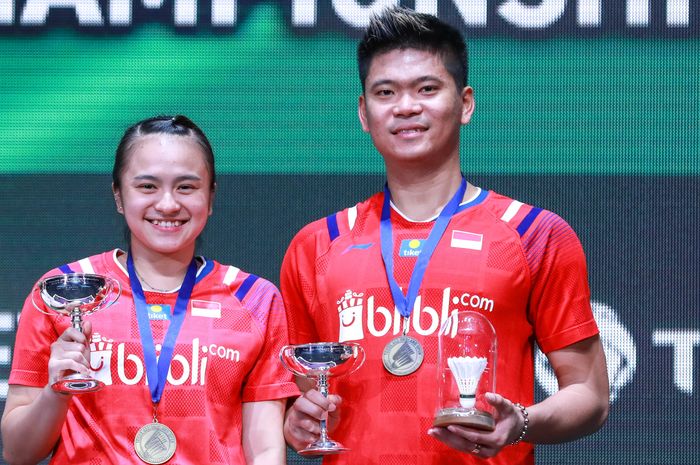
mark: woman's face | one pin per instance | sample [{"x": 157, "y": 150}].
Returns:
[{"x": 165, "y": 193}]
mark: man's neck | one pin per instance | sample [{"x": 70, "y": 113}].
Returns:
[{"x": 421, "y": 195}]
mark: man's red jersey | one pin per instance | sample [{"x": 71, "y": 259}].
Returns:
[
  {"x": 520, "y": 266},
  {"x": 226, "y": 354}
]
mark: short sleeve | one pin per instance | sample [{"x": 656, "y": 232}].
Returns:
[
  {"x": 298, "y": 284},
  {"x": 268, "y": 379},
  {"x": 559, "y": 305}
]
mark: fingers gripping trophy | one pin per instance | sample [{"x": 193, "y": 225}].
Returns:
[
  {"x": 75, "y": 295},
  {"x": 319, "y": 361}
]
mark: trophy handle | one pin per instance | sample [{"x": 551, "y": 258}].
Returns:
[
  {"x": 283, "y": 359},
  {"x": 359, "y": 355},
  {"x": 119, "y": 292},
  {"x": 36, "y": 289}
]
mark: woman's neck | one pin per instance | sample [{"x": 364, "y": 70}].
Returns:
[{"x": 160, "y": 272}]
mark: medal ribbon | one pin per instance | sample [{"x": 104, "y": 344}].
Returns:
[
  {"x": 157, "y": 367},
  {"x": 405, "y": 303}
]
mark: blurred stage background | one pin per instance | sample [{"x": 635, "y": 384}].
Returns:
[{"x": 589, "y": 108}]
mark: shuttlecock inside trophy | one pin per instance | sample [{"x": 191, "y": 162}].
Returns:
[{"x": 467, "y": 372}]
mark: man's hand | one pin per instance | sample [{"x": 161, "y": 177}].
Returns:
[
  {"x": 302, "y": 422},
  {"x": 509, "y": 424}
]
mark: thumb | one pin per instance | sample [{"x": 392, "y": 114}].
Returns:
[
  {"x": 499, "y": 403},
  {"x": 87, "y": 331},
  {"x": 335, "y": 401}
]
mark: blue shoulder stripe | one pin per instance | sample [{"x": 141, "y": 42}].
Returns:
[
  {"x": 332, "y": 223},
  {"x": 65, "y": 269},
  {"x": 245, "y": 286},
  {"x": 527, "y": 221}
]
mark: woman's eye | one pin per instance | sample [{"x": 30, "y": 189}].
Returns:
[{"x": 187, "y": 188}]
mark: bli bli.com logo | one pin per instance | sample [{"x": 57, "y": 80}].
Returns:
[
  {"x": 424, "y": 320},
  {"x": 130, "y": 368}
]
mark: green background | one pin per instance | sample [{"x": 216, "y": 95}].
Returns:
[{"x": 273, "y": 101}]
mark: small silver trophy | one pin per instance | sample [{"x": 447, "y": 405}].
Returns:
[
  {"x": 319, "y": 361},
  {"x": 75, "y": 295}
]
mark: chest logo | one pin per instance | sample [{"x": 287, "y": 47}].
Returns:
[
  {"x": 350, "y": 315},
  {"x": 159, "y": 312},
  {"x": 358, "y": 247},
  {"x": 410, "y": 247}
]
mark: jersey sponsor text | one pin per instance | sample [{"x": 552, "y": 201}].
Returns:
[{"x": 380, "y": 321}]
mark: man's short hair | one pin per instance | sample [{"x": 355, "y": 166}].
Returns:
[{"x": 401, "y": 28}]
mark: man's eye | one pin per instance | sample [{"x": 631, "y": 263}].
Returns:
[{"x": 384, "y": 92}]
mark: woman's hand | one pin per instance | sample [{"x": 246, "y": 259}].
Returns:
[
  {"x": 33, "y": 417},
  {"x": 70, "y": 353}
]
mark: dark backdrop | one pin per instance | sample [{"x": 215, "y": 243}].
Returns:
[{"x": 639, "y": 232}]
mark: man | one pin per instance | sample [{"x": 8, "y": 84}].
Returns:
[{"x": 385, "y": 272}]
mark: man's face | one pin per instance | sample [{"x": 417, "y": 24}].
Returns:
[{"x": 412, "y": 108}]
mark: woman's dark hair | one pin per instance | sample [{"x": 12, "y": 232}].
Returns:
[{"x": 176, "y": 125}]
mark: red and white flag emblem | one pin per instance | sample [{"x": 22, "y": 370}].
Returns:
[
  {"x": 205, "y": 308},
  {"x": 466, "y": 240}
]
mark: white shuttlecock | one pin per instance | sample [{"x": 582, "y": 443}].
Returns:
[{"x": 466, "y": 372}]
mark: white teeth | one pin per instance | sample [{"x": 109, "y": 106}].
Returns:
[{"x": 167, "y": 224}]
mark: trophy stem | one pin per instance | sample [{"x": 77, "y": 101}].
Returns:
[
  {"x": 76, "y": 318},
  {"x": 323, "y": 388},
  {"x": 323, "y": 445}
]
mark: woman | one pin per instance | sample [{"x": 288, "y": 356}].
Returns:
[{"x": 224, "y": 393}]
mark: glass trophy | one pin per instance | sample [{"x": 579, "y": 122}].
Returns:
[
  {"x": 75, "y": 295},
  {"x": 319, "y": 361},
  {"x": 466, "y": 370}
]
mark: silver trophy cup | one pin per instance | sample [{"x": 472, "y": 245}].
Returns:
[
  {"x": 76, "y": 295},
  {"x": 319, "y": 361}
]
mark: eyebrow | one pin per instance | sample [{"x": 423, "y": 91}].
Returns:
[{"x": 185, "y": 177}]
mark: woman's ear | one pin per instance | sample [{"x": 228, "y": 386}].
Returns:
[{"x": 118, "y": 199}]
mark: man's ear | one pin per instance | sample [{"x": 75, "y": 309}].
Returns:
[{"x": 362, "y": 113}]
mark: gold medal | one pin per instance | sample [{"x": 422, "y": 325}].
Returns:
[
  {"x": 155, "y": 443},
  {"x": 402, "y": 356}
]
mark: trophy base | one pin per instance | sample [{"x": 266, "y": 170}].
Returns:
[
  {"x": 77, "y": 384},
  {"x": 326, "y": 447},
  {"x": 470, "y": 418}
]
